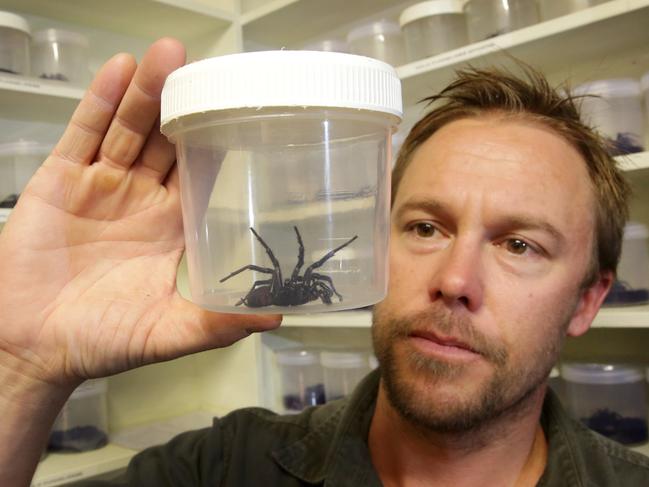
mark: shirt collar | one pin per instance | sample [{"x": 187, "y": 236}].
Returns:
[{"x": 335, "y": 449}]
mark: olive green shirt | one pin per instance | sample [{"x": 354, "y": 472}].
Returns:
[{"x": 327, "y": 446}]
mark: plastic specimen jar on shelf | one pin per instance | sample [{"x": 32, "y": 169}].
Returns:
[
  {"x": 60, "y": 55},
  {"x": 82, "y": 424},
  {"x": 491, "y": 18},
  {"x": 18, "y": 163},
  {"x": 632, "y": 285},
  {"x": 342, "y": 372},
  {"x": 433, "y": 27},
  {"x": 550, "y": 9},
  {"x": 301, "y": 379},
  {"x": 14, "y": 44},
  {"x": 644, "y": 86},
  {"x": 614, "y": 108},
  {"x": 379, "y": 40},
  {"x": 328, "y": 45},
  {"x": 284, "y": 163},
  {"x": 610, "y": 399}
]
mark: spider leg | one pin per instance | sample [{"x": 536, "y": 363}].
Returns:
[
  {"x": 249, "y": 267},
  {"x": 273, "y": 259},
  {"x": 327, "y": 256},
  {"x": 254, "y": 286},
  {"x": 328, "y": 280},
  {"x": 323, "y": 292},
  {"x": 300, "y": 255}
]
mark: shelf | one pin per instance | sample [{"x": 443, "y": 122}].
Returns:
[
  {"x": 61, "y": 468},
  {"x": 613, "y": 317},
  {"x": 634, "y": 162},
  {"x": 289, "y": 23},
  {"x": 644, "y": 449},
  {"x": 597, "y": 34},
  {"x": 150, "y": 19}
]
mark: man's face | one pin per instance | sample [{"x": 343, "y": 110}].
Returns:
[{"x": 491, "y": 237}]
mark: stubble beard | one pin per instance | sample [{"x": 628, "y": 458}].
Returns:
[{"x": 410, "y": 380}]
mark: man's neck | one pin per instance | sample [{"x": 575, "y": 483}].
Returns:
[{"x": 509, "y": 452}]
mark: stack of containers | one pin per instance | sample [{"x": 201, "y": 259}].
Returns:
[
  {"x": 614, "y": 108},
  {"x": 380, "y": 40},
  {"x": 632, "y": 285},
  {"x": 610, "y": 399},
  {"x": 301, "y": 379},
  {"x": 550, "y": 9},
  {"x": 82, "y": 424},
  {"x": 15, "y": 36},
  {"x": 18, "y": 163},
  {"x": 60, "y": 55},
  {"x": 328, "y": 45},
  {"x": 491, "y": 18},
  {"x": 342, "y": 372},
  {"x": 433, "y": 27}
]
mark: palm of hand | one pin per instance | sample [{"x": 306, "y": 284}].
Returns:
[{"x": 90, "y": 253}]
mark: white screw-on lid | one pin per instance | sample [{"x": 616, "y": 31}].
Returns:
[
  {"x": 282, "y": 79},
  {"x": 343, "y": 360},
  {"x": 296, "y": 357},
  {"x": 601, "y": 374},
  {"x": 428, "y": 9},
  {"x": 635, "y": 231},
  {"x": 60, "y": 35},
  {"x": 382, "y": 27},
  {"x": 13, "y": 21},
  {"x": 554, "y": 373},
  {"x": 610, "y": 88}
]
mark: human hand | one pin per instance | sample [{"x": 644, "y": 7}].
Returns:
[{"x": 90, "y": 253}]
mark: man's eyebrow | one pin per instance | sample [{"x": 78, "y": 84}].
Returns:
[{"x": 427, "y": 205}]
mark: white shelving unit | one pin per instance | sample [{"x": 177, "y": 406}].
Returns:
[{"x": 603, "y": 41}]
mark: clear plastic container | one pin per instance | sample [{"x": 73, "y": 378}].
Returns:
[
  {"x": 60, "y": 55},
  {"x": 284, "y": 166},
  {"x": 430, "y": 28},
  {"x": 614, "y": 108},
  {"x": 379, "y": 40},
  {"x": 491, "y": 18},
  {"x": 550, "y": 9},
  {"x": 632, "y": 284},
  {"x": 610, "y": 399},
  {"x": 14, "y": 44},
  {"x": 18, "y": 163},
  {"x": 555, "y": 382},
  {"x": 82, "y": 424},
  {"x": 328, "y": 45},
  {"x": 644, "y": 86},
  {"x": 301, "y": 379},
  {"x": 342, "y": 372}
]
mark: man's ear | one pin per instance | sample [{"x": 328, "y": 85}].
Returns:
[{"x": 590, "y": 301}]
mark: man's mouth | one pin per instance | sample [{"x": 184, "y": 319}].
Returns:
[{"x": 437, "y": 344}]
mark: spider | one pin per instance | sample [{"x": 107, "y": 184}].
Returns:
[{"x": 289, "y": 292}]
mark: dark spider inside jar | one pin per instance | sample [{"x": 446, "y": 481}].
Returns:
[{"x": 293, "y": 291}]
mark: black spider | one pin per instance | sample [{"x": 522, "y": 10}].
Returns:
[{"x": 289, "y": 292}]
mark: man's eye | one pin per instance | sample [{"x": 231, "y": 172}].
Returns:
[
  {"x": 517, "y": 246},
  {"x": 424, "y": 230}
]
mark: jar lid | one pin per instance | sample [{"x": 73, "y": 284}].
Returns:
[
  {"x": 13, "y": 21},
  {"x": 428, "y": 9},
  {"x": 296, "y": 357},
  {"x": 602, "y": 374},
  {"x": 25, "y": 148},
  {"x": 281, "y": 79},
  {"x": 635, "y": 230},
  {"x": 59, "y": 35},
  {"x": 372, "y": 29},
  {"x": 343, "y": 360},
  {"x": 610, "y": 88}
]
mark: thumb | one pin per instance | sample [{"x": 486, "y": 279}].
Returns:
[{"x": 187, "y": 328}]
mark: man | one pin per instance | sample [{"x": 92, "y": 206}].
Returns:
[{"x": 507, "y": 219}]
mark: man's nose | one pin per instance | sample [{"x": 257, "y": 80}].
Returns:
[{"x": 458, "y": 279}]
